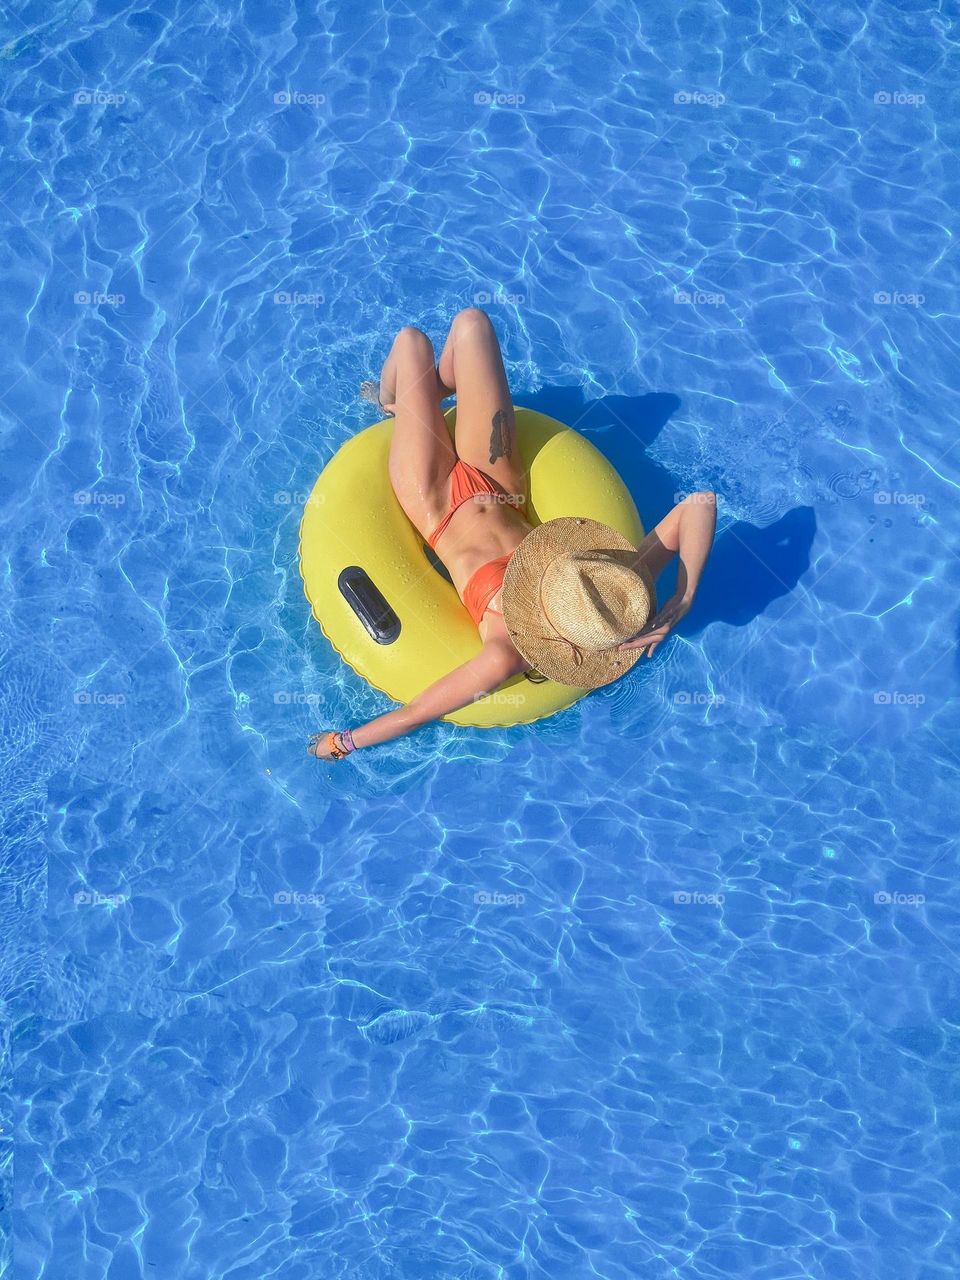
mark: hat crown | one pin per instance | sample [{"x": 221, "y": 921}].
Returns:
[
  {"x": 571, "y": 596},
  {"x": 593, "y": 600}
]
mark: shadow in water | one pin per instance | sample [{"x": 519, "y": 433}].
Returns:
[{"x": 750, "y": 566}]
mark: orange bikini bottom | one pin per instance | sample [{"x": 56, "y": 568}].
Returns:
[{"x": 465, "y": 483}]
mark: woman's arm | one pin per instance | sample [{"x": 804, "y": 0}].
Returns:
[
  {"x": 496, "y": 662},
  {"x": 688, "y": 532}
]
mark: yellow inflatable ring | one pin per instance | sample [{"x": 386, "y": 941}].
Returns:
[{"x": 383, "y": 605}]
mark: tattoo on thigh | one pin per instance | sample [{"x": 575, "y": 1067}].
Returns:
[{"x": 500, "y": 442}]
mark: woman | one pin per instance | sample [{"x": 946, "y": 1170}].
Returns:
[{"x": 571, "y": 598}]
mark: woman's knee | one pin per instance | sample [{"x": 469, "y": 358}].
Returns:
[
  {"x": 413, "y": 344},
  {"x": 471, "y": 322}
]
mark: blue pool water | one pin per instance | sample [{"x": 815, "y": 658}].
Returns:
[{"x": 260, "y": 1018}]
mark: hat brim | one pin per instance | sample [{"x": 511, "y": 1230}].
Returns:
[{"x": 523, "y": 616}]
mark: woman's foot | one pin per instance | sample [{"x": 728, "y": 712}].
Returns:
[{"x": 370, "y": 392}]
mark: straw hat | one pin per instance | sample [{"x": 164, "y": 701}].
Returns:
[{"x": 571, "y": 596}]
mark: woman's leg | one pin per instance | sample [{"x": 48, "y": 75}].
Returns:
[
  {"x": 421, "y": 452},
  {"x": 486, "y": 433}
]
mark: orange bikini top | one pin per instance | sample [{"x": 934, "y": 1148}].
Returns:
[{"x": 484, "y": 585}]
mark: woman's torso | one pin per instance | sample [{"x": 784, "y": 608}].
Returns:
[{"x": 480, "y": 531}]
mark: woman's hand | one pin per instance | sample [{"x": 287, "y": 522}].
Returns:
[
  {"x": 319, "y": 746},
  {"x": 657, "y": 631}
]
